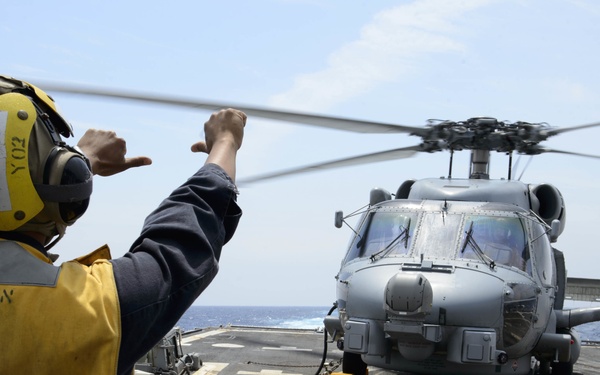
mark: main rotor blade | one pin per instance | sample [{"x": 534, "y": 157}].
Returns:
[
  {"x": 339, "y": 123},
  {"x": 399, "y": 153},
  {"x": 550, "y": 150},
  {"x": 579, "y": 127}
]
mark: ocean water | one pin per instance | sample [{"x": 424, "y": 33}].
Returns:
[{"x": 307, "y": 317}]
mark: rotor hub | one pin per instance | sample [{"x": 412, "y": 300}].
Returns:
[{"x": 486, "y": 133}]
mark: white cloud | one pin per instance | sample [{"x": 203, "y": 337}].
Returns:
[{"x": 388, "y": 48}]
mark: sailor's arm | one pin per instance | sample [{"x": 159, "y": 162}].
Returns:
[{"x": 176, "y": 255}]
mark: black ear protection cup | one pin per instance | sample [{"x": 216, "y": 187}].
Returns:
[{"x": 67, "y": 181}]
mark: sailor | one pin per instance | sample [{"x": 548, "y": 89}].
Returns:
[{"x": 94, "y": 315}]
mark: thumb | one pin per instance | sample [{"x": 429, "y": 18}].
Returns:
[
  {"x": 199, "y": 147},
  {"x": 109, "y": 169},
  {"x": 137, "y": 161}
]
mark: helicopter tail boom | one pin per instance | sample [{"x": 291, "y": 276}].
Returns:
[{"x": 574, "y": 317}]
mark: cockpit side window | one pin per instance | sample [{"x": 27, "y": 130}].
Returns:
[
  {"x": 542, "y": 251},
  {"x": 357, "y": 242},
  {"x": 500, "y": 238}
]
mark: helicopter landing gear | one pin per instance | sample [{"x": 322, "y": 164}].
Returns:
[
  {"x": 352, "y": 363},
  {"x": 540, "y": 368},
  {"x": 546, "y": 367}
]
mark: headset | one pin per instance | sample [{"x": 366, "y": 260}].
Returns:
[{"x": 45, "y": 184}]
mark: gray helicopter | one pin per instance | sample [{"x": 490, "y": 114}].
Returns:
[
  {"x": 459, "y": 275},
  {"x": 446, "y": 275}
]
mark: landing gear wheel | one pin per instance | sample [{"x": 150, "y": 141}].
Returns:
[
  {"x": 562, "y": 368},
  {"x": 543, "y": 368},
  {"x": 352, "y": 363}
]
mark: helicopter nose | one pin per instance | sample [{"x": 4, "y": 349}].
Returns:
[
  {"x": 408, "y": 294},
  {"x": 409, "y": 297}
]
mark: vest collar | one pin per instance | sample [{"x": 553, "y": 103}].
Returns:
[{"x": 23, "y": 238}]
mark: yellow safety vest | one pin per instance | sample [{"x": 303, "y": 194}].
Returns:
[{"x": 57, "y": 320}]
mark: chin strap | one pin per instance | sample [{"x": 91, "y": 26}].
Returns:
[{"x": 49, "y": 246}]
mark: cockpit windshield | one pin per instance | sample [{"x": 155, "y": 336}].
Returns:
[
  {"x": 384, "y": 233},
  {"x": 495, "y": 238},
  {"x": 437, "y": 234}
]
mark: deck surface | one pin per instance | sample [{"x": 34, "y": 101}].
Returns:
[{"x": 272, "y": 351}]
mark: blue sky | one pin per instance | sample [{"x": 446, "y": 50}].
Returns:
[{"x": 392, "y": 61}]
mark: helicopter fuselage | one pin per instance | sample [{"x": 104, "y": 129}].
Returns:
[{"x": 453, "y": 283}]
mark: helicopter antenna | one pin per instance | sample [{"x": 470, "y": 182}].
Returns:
[
  {"x": 510, "y": 158},
  {"x": 525, "y": 168}
]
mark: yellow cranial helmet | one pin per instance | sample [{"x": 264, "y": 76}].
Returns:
[{"x": 45, "y": 185}]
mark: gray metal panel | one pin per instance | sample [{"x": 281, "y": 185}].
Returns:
[
  {"x": 503, "y": 191},
  {"x": 580, "y": 289}
]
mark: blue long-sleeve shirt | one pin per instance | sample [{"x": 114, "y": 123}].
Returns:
[{"x": 173, "y": 260}]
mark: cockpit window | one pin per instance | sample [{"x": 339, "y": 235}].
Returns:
[
  {"x": 495, "y": 238},
  {"x": 437, "y": 235},
  {"x": 542, "y": 250},
  {"x": 384, "y": 233}
]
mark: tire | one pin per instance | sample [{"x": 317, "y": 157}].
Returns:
[
  {"x": 352, "y": 363},
  {"x": 543, "y": 368},
  {"x": 562, "y": 368}
]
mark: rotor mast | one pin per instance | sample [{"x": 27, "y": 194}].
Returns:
[{"x": 480, "y": 164}]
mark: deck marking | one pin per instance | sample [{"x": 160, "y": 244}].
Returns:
[
  {"x": 226, "y": 345},
  {"x": 290, "y": 348},
  {"x": 211, "y": 368},
  {"x": 188, "y": 339},
  {"x": 266, "y": 372}
]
